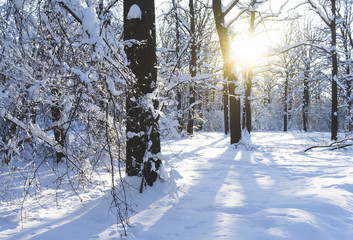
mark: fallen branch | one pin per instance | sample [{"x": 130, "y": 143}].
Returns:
[{"x": 334, "y": 145}]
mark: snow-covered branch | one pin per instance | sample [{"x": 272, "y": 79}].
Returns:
[
  {"x": 229, "y": 7},
  {"x": 321, "y": 12}
]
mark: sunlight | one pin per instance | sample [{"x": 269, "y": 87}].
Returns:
[{"x": 248, "y": 51}]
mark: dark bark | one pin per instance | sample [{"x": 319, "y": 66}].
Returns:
[
  {"x": 285, "y": 115},
  {"x": 335, "y": 145},
  {"x": 306, "y": 97},
  {"x": 190, "y": 126},
  {"x": 59, "y": 132},
  {"x": 247, "y": 101},
  {"x": 350, "y": 107},
  {"x": 249, "y": 79},
  {"x": 332, "y": 25},
  {"x": 225, "y": 109},
  {"x": 243, "y": 115},
  {"x": 349, "y": 99},
  {"x": 177, "y": 48},
  {"x": 334, "y": 113},
  {"x": 8, "y": 131},
  {"x": 180, "y": 111},
  {"x": 200, "y": 122},
  {"x": 192, "y": 93},
  {"x": 348, "y": 44},
  {"x": 349, "y": 90},
  {"x": 235, "y": 113},
  {"x": 234, "y": 100},
  {"x": 143, "y": 139}
]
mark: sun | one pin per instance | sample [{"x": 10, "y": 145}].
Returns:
[{"x": 247, "y": 50}]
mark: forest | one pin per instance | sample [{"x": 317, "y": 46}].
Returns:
[{"x": 97, "y": 95}]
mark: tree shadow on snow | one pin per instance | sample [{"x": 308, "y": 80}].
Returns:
[{"x": 243, "y": 194}]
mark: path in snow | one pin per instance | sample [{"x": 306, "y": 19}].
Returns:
[
  {"x": 273, "y": 191},
  {"x": 267, "y": 189}
]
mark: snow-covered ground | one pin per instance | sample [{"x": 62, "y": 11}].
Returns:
[{"x": 264, "y": 189}]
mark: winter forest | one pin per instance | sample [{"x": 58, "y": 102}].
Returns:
[{"x": 176, "y": 119}]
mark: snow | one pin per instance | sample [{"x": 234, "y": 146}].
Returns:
[
  {"x": 265, "y": 188},
  {"x": 229, "y": 5},
  {"x": 90, "y": 24},
  {"x": 339, "y": 83},
  {"x": 320, "y": 11},
  {"x": 18, "y": 3},
  {"x": 112, "y": 89},
  {"x": 132, "y": 134},
  {"x": 134, "y": 12},
  {"x": 273, "y": 52},
  {"x": 184, "y": 22}
]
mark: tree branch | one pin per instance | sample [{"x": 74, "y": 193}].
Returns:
[
  {"x": 335, "y": 145},
  {"x": 63, "y": 5},
  {"x": 229, "y": 7}
]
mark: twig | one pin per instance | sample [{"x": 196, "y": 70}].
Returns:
[{"x": 333, "y": 145}]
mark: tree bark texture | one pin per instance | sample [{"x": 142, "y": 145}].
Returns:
[
  {"x": 234, "y": 100},
  {"x": 285, "y": 114},
  {"x": 225, "y": 109},
  {"x": 306, "y": 97},
  {"x": 192, "y": 93},
  {"x": 350, "y": 100},
  {"x": 59, "y": 132},
  {"x": 143, "y": 139},
  {"x": 177, "y": 49},
  {"x": 334, "y": 108},
  {"x": 248, "y": 119}
]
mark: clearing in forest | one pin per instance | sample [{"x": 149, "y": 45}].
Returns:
[{"x": 266, "y": 188}]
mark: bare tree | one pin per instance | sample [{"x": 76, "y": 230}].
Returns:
[
  {"x": 193, "y": 66},
  {"x": 234, "y": 99},
  {"x": 347, "y": 45},
  {"x": 327, "y": 12}
]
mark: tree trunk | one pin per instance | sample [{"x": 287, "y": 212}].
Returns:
[
  {"x": 243, "y": 115},
  {"x": 350, "y": 105},
  {"x": 143, "y": 139},
  {"x": 349, "y": 98},
  {"x": 225, "y": 109},
  {"x": 306, "y": 97},
  {"x": 349, "y": 91},
  {"x": 59, "y": 133},
  {"x": 177, "y": 49},
  {"x": 334, "y": 113},
  {"x": 285, "y": 115},
  {"x": 249, "y": 79},
  {"x": 190, "y": 127},
  {"x": 234, "y": 100},
  {"x": 347, "y": 40},
  {"x": 235, "y": 112},
  {"x": 247, "y": 100}
]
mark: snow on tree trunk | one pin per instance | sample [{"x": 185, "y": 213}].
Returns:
[
  {"x": 192, "y": 93},
  {"x": 334, "y": 113},
  {"x": 59, "y": 134},
  {"x": 143, "y": 139}
]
